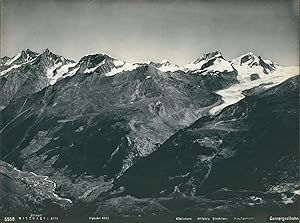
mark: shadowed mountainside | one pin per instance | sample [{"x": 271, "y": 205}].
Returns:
[{"x": 254, "y": 141}]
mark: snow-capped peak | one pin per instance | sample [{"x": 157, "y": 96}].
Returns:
[
  {"x": 54, "y": 65},
  {"x": 46, "y": 61},
  {"x": 101, "y": 63},
  {"x": 165, "y": 66},
  {"x": 22, "y": 57},
  {"x": 209, "y": 56},
  {"x": 46, "y": 51},
  {"x": 249, "y": 64},
  {"x": 165, "y": 62},
  {"x": 196, "y": 64},
  {"x": 213, "y": 62},
  {"x": 52, "y": 56},
  {"x": 250, "y": 59},
  {"x": 246, "y": 59}
]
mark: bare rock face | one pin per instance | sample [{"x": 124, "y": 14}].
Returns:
[
  {"x": 254, "y": 77},
  {"x": 26, "y": 73},
  {"x": 3, "y": 60}
]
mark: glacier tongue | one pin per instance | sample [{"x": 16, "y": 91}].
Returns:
[{"x": 234, "y": 93}]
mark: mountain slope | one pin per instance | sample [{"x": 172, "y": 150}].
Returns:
[
  {"x": 21, "y": 58},
  {"x": 107, "y": 131},
  {"x": 254, "y": 140},
  {"x": 103, "y": 117},
  {"x": 23, "y": 192},
  {"x": 27, "y": 73}
]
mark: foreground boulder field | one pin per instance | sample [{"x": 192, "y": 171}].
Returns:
[{"x": 105, "y": 135}]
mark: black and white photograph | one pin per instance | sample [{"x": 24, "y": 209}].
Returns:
[{"x": 149, "y": 111}]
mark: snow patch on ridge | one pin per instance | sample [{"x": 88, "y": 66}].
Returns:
[
  {"x": 9, "y": 69},
  {"x": 13, "y": 59},
  {"x": 118, "y": 63},
  {"x": 167, "y": 66},
  {"x": 61, "y": 72},
  {"x": 50, "y": 73},
  {"x": 125, "y": 67},
  {"x": 220, "y": 65},
  {"x": 91, "y": 70}
]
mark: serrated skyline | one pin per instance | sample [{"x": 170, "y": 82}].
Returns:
[{"x": 153, "y": 30}]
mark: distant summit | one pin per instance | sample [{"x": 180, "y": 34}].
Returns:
[
  {"x": 212, "y": 63},
  {"x": 250, "y": 64},
  {"x": 251, "y": 60},
  {"x": 208, "y": 56},
  {"x": 22, "y": 57}
]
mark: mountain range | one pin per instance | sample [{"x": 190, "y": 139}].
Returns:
[{"x": 105, "y": 130}]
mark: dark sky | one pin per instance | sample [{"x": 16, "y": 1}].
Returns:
[{"x": 179, "y": 30}]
